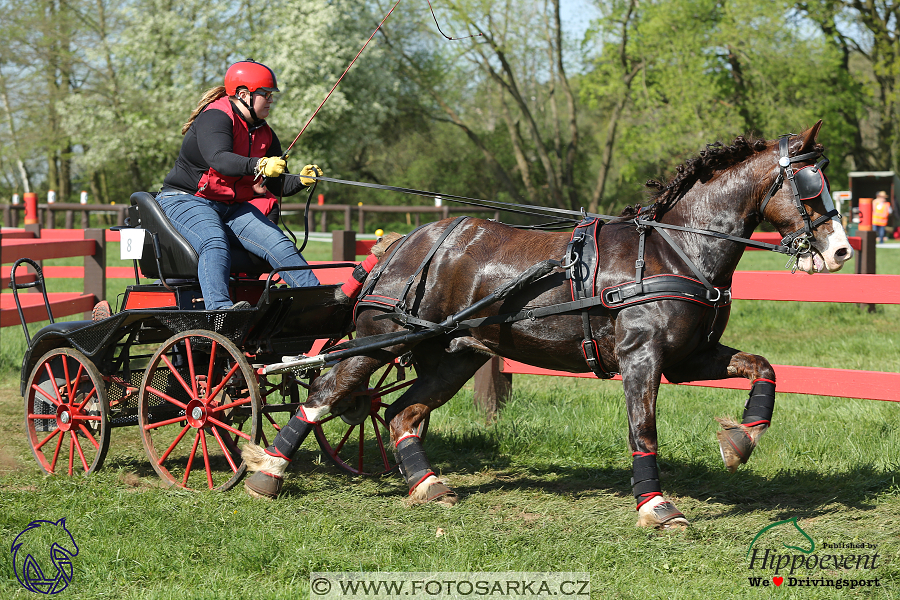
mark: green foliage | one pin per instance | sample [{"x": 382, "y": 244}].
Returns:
[
  {"x": 98, "y": 90},
  {"x": 710, "y": 70}
]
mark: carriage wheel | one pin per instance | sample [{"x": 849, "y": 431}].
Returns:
[
  {"x": 197, "y": 398},
  {"x": 357, "y": 439},
  {"x": 66, "y": 413}
]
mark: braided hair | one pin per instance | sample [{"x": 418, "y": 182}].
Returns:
[{"x": 714, "y": 158}]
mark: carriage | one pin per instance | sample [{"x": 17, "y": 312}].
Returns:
[
  {"x": 655, "y": 301},
  {"x": 193, "y": 381}
]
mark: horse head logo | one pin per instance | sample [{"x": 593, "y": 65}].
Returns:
[
  {"x": 792, "y": 521},
  {"x": 30, "y": 548}
]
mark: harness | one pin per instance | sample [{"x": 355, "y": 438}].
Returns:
[
  {"x": 581, "y": 266},
  {"x": 805, "y": 185}
]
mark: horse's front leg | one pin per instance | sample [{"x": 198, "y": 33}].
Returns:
[
  {"x": 269, "y": 464},
  {"x": 641, "y": 370},
  {"x": 736, "y": 440}
]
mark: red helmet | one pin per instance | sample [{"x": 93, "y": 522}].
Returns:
[{"x": 251, "y": 75}]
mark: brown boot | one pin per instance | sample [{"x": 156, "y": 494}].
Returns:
[{"x": 101, "y": 311}]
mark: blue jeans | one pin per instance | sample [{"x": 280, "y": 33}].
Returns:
[
  {"x": 879, "y": 233},
  {"x": 211, "y": 226}
]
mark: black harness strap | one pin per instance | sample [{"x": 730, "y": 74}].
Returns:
[
  {"x": 401, "y": 305},
  {"x": 582, "y": 251},
  {"x": 368, "y": 298}
]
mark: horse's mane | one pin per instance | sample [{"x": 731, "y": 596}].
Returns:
[{"x": 715, "y": 157}]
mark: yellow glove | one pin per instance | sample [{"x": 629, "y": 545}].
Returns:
[
  {"x": 310, "y": 171},
  {"x": 270, "y": 166}
]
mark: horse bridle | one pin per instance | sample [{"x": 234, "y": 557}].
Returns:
[{"x": 799, "y": 241}]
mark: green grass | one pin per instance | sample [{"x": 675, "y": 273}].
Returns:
[{"x": 546, "y": 488}]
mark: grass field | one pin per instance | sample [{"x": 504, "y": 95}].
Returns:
[{"x": 546, "y": 488}]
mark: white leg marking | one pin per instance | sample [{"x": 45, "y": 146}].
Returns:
[
  {"x": 316, "y": 414},
  {"x": 258, "y": 459}
]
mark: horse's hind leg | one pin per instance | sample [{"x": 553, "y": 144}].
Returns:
[
  {"x": 269, "y": 464},
  {"x": 440, "y": 375},
  {"x": 736, "y": 440}
]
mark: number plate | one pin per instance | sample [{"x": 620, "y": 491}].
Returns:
[{"x": 132, "y": 243}]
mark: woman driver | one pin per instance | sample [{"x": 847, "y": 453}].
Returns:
[{"x": 229, "y": 157}]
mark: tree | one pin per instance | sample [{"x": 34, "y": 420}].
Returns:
[
  {"x": 511, "y": 73},
  {"x": 706, "y": 70}
]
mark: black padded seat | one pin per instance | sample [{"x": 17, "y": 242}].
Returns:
[
  {"x": 62, "y": 328},
  {"x": 178, "y": 258}
]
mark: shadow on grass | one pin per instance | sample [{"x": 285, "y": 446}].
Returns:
[{"x": 806, "y": 492}]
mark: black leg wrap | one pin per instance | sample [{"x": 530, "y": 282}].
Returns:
[
  {"x": 414, "y": 465},
  {"x": 290, "y": 438},
  {"x": 760, "y": 404},
  {"x": 645, "y": 482}
]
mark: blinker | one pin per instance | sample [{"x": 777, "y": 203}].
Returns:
[{"x": 811, "y": 183}]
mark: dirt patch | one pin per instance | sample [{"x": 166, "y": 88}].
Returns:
[
  {"x": 8, "y": 463},
  {"x": 136, "y": 483}
]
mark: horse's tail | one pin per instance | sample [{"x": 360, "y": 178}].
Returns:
[{"x": 351, "y": 288}]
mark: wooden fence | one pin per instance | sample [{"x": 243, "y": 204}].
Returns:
[
  {"x": 89, "y": 243},
  {"x": 318, "y": 214}
]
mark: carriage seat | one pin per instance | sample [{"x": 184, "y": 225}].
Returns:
[{"x": 178, "y": 258}]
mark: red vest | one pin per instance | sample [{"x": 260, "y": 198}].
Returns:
[{"x": 215, "y": 186}]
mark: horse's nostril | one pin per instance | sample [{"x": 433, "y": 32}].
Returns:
[{"x": 842, "y": 253}]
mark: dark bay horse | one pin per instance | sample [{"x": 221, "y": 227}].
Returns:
[{"x": 727, "y": 189}]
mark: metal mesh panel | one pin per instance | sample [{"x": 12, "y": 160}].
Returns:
[
  {"x": 231, "y": 324},
  {"x": 90, "y": 339},
  {"x": 123, "y": 406},
  {"x": 43, "y": 407}
]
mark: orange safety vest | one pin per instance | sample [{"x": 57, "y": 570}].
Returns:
[{"x": 880, "y": 213}]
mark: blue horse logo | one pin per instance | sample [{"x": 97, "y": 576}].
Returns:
[{"x": 34, "y": 541}]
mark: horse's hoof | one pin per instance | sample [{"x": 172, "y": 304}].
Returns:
[
  {"x": 264, "y": 485},
  {"x": 433, "y": 490},
  {"x": 735, "y": 447},
  {"x": 441, "y": 494},
  {"x": 663, "y": 515},
  {"x": 736, "y": 442}
]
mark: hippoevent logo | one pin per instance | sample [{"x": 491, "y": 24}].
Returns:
[
  {"x": 799, "y": 565},
  {"x": 31, "y": 549}
]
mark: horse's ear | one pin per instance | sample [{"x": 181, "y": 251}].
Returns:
[{"x": 808, "y": 138}]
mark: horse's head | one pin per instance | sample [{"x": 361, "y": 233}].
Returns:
[{"x": 799, "y": 204}]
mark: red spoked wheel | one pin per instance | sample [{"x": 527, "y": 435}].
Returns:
[
  {"x": 66, "y": 413},
  {"x": 197, "y": 398},
  {"x": 355, "y": 436}
]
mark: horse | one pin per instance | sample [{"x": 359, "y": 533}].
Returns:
[{"x": 694, "y": 234}]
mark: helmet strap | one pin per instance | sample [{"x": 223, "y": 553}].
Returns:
[{"x": 249, "y": 107}]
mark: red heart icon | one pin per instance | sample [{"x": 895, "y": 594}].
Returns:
[{"x": 778, "y": 580}]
